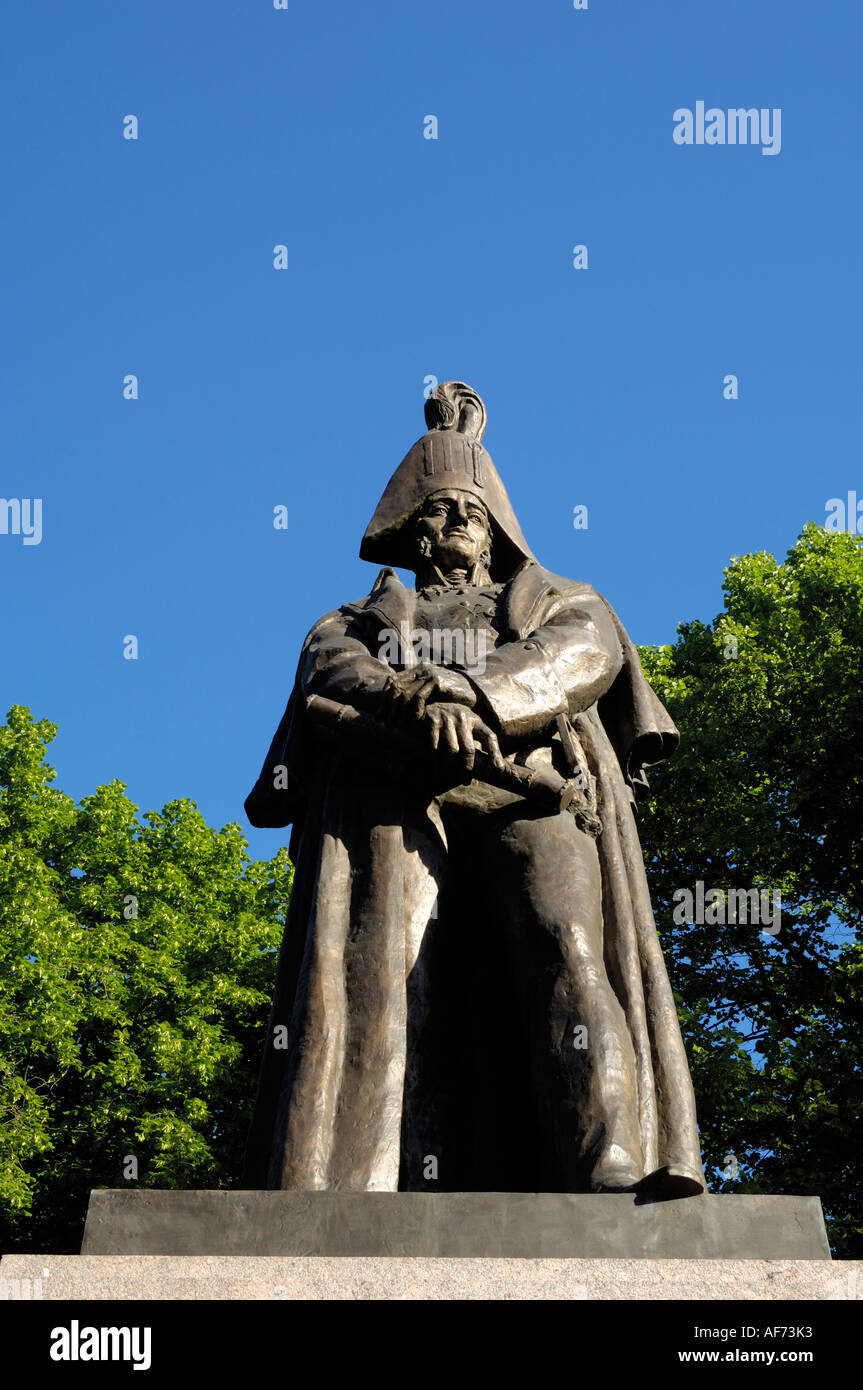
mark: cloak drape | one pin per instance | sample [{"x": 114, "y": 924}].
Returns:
[{"x": 355, "y": 980}]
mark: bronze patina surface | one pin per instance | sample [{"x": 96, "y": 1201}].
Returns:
[{"x": 471, "y": 992}]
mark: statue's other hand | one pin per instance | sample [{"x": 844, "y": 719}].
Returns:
[
  {"x": 407, "y": 693},
  {"x": 460, "y": 731}
]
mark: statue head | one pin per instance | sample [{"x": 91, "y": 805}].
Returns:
[
  {"x": 421, "y": 504},
  {"x": 454, "y": 534}
]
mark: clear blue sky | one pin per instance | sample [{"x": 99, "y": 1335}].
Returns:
[{"x": 408, "y": 257}]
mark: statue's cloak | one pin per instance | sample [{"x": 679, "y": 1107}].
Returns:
[{"x": 351, "y": 1092}]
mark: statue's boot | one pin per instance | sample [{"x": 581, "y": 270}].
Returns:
[
  {"x": 616, "y": 1170},
  {"x": 670, "y": 1181}
]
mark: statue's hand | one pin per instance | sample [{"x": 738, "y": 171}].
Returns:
[
  {"x": 407, "y": 693},
  {"x": 460, "y": 731}
]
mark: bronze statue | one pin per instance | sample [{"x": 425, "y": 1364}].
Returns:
[{"x": 471, "y": 992}]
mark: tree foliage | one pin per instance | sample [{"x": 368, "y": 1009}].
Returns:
[
  {"x": 137, "y": 960},
  {"x": 767, "y": 791}
]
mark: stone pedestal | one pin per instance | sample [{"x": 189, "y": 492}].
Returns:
[
  {"x": 522, "y": 1225},
  {"x": 187, "y": 1278}
]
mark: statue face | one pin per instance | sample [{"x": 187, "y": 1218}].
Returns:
[{"x": 456, "y": 526}]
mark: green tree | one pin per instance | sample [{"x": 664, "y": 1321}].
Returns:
[
  {"x": 766, "y": 791},
  {"x": 137, "y": 962}
]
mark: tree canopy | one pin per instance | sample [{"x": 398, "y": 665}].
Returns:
[
  {"x": 766, "y": 791},
  {"x": 136, "y": 967}
]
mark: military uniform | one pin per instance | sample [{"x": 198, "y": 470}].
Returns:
[{"x": 465, "y": 976}]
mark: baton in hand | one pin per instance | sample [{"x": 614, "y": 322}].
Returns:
[{"x": 367, "y": 735}]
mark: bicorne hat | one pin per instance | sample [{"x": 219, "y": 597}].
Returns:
[{"x": 449, "y": 455}]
